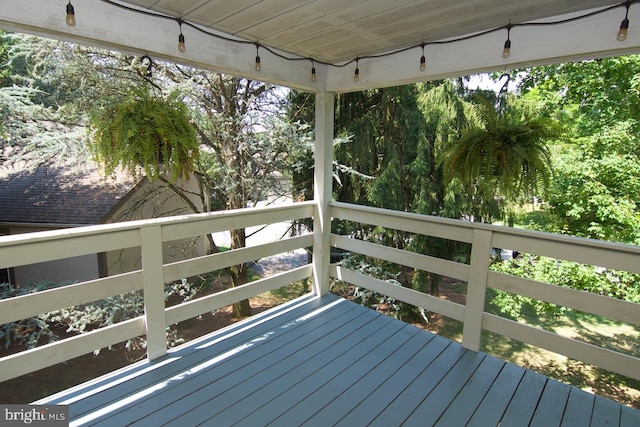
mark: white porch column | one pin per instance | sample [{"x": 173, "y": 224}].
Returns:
[{"x": 322, "y": 188}]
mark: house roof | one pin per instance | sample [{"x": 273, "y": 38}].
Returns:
[{"x": 59, "y": 195}]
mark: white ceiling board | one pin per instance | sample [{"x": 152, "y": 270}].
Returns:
[
  {"x": 374, "y": 26},
  {"x": 336, "y": 32},
  {"x": 584, "y": 39},
  {"x": 103, "y": 25}
]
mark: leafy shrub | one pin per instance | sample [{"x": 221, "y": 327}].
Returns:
[
  {"x": 374, "y": 300},
  {"x": 597, "y": 280},
  {"x": 85, "y": 317},
  {"x": 26, "y": 332}
]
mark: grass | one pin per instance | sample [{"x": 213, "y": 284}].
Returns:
[
  {"x": 596, "y": 330},
  {"x": 282, "y": 294}
]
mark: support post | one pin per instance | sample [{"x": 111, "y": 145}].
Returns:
[
  {"x": 153, "y": 285},
  {"x": 476, "y": 289},
  {"x": 322, "y": 188}
]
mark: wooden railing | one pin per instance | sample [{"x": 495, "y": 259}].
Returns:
[
  {"x": 483, "y": 238},
  {"x": 149, "y": 235}
]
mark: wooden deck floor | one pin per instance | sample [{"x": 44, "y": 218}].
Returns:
[{"x": 327, "y": 361}]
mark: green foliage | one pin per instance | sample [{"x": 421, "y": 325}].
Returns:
[
  {"x": 504, "y": 154},
  {"x": 597, "y": 187},
  {"x": 5, "y": 71},
  {"x": 600, "y": 281},
  {"x": 602, "y": 92},
  {"x": 26, "y": 332},
  {"x": 35, "y": 134},
  {"x": 84, "y": 318},
  {"x": 374, "y": 300},
  {"x": 145, "y": 131}
]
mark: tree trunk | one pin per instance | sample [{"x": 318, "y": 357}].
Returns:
[
  {"x": 238, "y": 274},
  {"x": 239, "y": 277}
]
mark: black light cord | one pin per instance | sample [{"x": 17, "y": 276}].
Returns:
[{"x": 421, "y": 45}]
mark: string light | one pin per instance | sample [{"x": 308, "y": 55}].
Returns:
[
  {"x": 506, "y": 52},
  {"x": 622, "y": 34},
  {"x": 181, "y": 46},
  {"x": 71, "y": 15},
  {"x": 258, "y": 65},
  {"x": 313, "y": 71},
  {"x": 624, "y": 25}
]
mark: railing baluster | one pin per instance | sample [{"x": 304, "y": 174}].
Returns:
[
  {"x": 153, "y": 284},
  {"x": 476, "y": 289}
]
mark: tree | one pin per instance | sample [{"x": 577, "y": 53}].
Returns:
[
  {"x": 32, "y": 130},
  {"x": 243, "y": 140},
  {"x": 596, "y": 184},
  {"x": 595, "y": 192}
]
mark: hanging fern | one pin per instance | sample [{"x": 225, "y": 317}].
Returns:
[{"x": 146, "y": 132}]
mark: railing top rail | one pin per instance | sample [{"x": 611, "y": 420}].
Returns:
[
  {"x": 496, "y": 229},
  {"x": 43, "y": 236}
]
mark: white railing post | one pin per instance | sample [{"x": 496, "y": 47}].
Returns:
[
  {"x": 323, "y": 176},
  {"x": 153, "y": 285},
  {"x": 476, "y": 289}
]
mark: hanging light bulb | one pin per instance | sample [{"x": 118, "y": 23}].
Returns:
[
  {"x": 423, "y": 60},
  {"x": 624, "y": 25},
  {"x": 71, "y": 15},
  {"x": 313, "y": 71},
  {"x": 258, "y": 65},
  {"x": 356, "y": 74},
  {"x": 181, "y": 46},
  {"x": 506, "y": 52}
]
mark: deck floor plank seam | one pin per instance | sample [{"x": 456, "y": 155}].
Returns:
[
  {"x": 166, "y": 405},
  {"x": 409, "y": 398},
  {"x": 462, "y": 407},
  {"x": 247, "y": 381},
  {"x": 494, "y": 404},
  {"x": 525, "y": 400},
  {"x": 328, "y": 361},
  {"x": 346, "y": 394},
  {"x": 436, "y": 402},
  {"x": 382, "y": 396},
  {"x": 296, "y": 390},
  {"x": 196, "y": 358},
  {"x": 552, "y": 404},
  {"x": 579, "y": 409}
]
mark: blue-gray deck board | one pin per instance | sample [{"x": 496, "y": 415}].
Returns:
[{"x": 327, "y": 361}]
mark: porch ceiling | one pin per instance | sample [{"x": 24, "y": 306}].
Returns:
[
  {"x": 340, "y": 30},
  {"x": 335, "y": 32}
]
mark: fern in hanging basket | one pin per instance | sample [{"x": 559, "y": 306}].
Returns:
[{"x": 145, "y": 131}]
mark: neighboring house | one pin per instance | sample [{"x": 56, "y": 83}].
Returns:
[{"x": 54, "y": 197}]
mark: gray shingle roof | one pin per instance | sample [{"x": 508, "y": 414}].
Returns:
[{"x": 58, "y": 195}]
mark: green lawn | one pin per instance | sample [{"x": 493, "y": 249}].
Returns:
[{"x": 590, "y": 328}]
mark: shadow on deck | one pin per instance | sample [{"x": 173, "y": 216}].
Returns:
[{"x": 328, "y": 361}]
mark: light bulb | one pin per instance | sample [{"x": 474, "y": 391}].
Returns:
[
  {"x": 313, "y": 74},
  {"x": 624, "y": 26},
  {"x": 181, "y": 46},
  {"x": 356, "y": 75},
  {"x": 506, "y": 52},
  {"x": 258, "y": 66},
  {"x": 71, "y": 15},
  {"x": 423, "y": 63}
]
